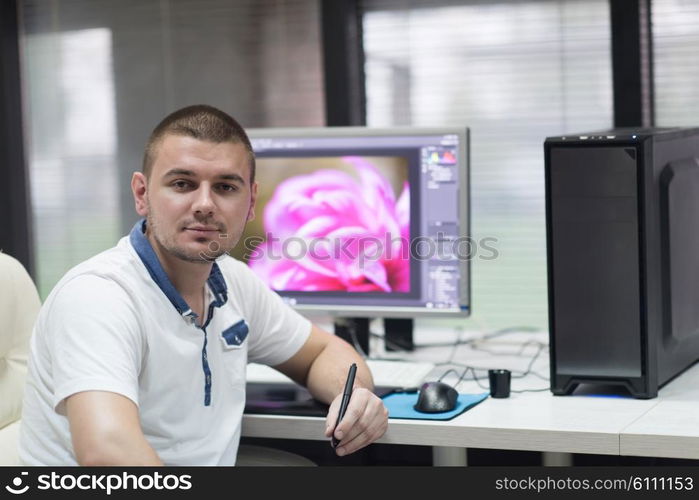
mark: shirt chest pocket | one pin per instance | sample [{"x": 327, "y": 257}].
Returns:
[
  {"x": 234, "y": 356},
  {"x": 233, "y": 337}
]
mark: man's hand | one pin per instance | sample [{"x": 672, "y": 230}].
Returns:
[
  {"x": 321, "y": 365},
  {"x": 364, "y": 422}
]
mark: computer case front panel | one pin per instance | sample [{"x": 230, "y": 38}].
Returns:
[{"x": 613, "y": 234}]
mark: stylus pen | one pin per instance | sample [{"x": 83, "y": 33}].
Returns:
[{"x": 346, "y": 395}]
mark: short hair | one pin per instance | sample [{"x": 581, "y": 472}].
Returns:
[{"x": 202, "y": 122}]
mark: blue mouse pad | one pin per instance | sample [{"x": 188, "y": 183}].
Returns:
[{"x": 401, "y": 406}]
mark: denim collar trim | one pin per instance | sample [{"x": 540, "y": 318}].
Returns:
[{"x": 149, "y": 258}]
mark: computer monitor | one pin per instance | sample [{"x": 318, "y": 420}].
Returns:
[{"x": 363, "y": 222}]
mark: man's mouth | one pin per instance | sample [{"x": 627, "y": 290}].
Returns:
[{"x": 202, "y": 229}]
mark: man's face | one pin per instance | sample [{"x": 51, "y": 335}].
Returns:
[{"x": 198, "y": 197}]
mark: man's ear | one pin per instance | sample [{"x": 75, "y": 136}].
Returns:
[
  {"x": 139, "y": 188},
  {"x": 253, "y": 200}
]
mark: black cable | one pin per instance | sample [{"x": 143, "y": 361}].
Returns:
[
  {"x": 477, "y": 379},
  {"x": 455, "y": 346},
  {"x": 532, "y": 390},
  {"x": 472, "y": 369},
  {"x": 487, "y": 336},
  {"x": 515, "y": 374},
  {"x": 389, "y": 343},
  {"x": 447, "y": 373},
  {"x": 351, "y": 326}
]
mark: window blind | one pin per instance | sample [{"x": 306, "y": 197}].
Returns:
[
  {"x": 676, "y": 74},
  {"x": 514, "y": 72},
  {"x": 98, "y": 75}
]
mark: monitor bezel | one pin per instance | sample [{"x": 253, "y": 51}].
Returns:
[{"x": 464, "y": 211}]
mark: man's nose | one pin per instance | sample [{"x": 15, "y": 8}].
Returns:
[{"x": 203, "y": 201}]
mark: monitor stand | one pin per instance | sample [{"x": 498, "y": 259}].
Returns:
[{"x": 398, "y": 333}]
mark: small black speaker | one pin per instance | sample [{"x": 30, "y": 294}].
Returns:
[{"x": 499, "y": 383}]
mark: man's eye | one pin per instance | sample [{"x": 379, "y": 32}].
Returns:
[
  {"x": 180, "y": 185},
  {"x": 228, "y": 188}
]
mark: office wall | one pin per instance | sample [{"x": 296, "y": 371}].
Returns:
[
  {"x": 98, "y": 75},
  {"x": 514, "y": 72},
  {"x": 675, "y": 49},
  {"x": 15, "y": 230}
]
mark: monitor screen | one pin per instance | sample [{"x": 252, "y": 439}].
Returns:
[{"x": 360, "y": 221}]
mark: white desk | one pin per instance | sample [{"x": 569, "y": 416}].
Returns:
[
  {"x": 671, "y": 428},
  {"x": 535, "y": 422},
  {"x": 667, "y": 426}
]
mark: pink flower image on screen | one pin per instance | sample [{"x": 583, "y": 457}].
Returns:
[{"x": 327, "y": 232}]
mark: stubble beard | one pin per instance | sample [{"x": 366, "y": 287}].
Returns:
[{"x": 215, "y": 249}]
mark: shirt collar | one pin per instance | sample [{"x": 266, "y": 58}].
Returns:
[{"x": 149, "y": 258}]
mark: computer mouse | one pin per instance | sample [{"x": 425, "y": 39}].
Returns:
[{"x": 436, "y": 397}]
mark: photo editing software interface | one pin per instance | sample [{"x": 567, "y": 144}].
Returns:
[{"x": 357, "y": 221}]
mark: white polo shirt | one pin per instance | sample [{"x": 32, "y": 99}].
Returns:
[{"x": 116, "y": 323}]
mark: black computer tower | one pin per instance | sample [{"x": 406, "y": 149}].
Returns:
[{"x": 622, "y": 221}]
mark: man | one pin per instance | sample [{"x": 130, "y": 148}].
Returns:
[{"x": 139, "y": 354}]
